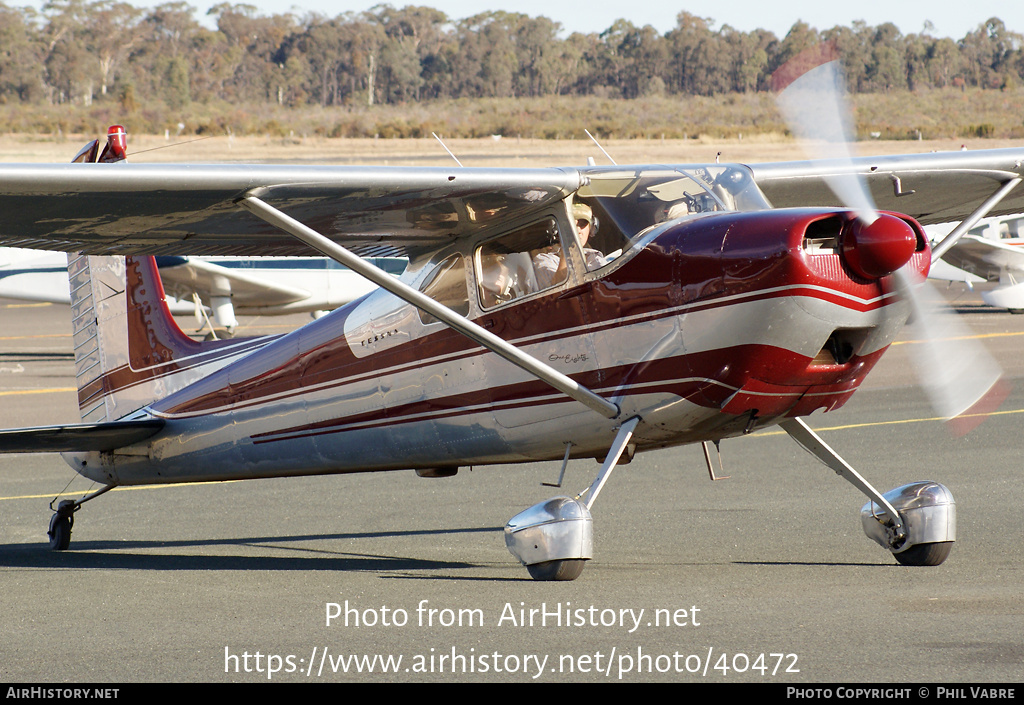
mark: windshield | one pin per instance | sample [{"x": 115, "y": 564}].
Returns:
[{"x": 627, "y": 202}]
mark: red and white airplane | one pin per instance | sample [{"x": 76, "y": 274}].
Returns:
[{"x": 555, "y": 313}]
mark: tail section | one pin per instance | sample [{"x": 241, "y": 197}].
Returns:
[{"x": 129, "y": 351}]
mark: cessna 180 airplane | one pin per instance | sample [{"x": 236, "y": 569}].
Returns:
[{"x": 546, "y": 314}]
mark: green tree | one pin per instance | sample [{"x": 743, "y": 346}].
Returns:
[
  {"x": 943, "y": 62},
  {"x": 21, "y": 52},
  {"x": 69, "y": 74},
  {"x": 178, "y": 92},
  {"x": 111, "y": 32},
  {"x": 886, "y": 68},
  {"x": 688, "y": 45},
  {"x": 800, "y": 37},
  {"x": 256, "y": 72}
]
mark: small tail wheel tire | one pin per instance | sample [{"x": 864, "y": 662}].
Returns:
[
  {"x": 568, "y": 569},
  {"x": 925, "y": 553},
  {"x": 60, "y": 532}
]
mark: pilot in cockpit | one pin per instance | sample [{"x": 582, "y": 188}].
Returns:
[{"x": 550, "y": 264}]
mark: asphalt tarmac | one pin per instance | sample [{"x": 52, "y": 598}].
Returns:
[{"x": 764, "y": 577}]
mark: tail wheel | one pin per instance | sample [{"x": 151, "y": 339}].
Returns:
[
  {"x": 60, "y": 532},
  {"x": 61, "y": 523},
  {"x": 925, "y": 553}
]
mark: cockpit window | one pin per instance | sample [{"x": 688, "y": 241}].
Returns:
[
  {"x": 628, "y": 202},
  {"x": 520, "y": 263}
]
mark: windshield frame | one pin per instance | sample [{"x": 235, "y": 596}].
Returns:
[{"x": 634, "y": 200}]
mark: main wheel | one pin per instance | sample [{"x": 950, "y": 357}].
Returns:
[
  {"x": 60, "y": 532},
  {"x": 568, "y": 569},
  {"x": 925, "y": 553}
]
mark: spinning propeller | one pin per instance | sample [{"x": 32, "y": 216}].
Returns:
[{"x": 956, "y": 372}]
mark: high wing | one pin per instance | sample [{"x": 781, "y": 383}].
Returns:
[
  {"x": 402, "y": 211},
  {"x": 937, "y": 187},
  {"x": 192, "y": 210}
]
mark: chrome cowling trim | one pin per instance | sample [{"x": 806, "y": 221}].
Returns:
[
  {"x": 560, "y": 528},
  {"x": 927, "y": 510}
]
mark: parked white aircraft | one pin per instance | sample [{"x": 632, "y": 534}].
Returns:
[
  {"x": 991, "y": 250},
  {"x": 227, "y": 285},
  {"x": 33, "y": 275},
  {"x": 267, "y": 285}
]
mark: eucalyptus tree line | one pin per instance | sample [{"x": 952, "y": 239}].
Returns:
[{"x": 80, "y": 51}]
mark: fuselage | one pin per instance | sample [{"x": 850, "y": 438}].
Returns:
[{"x": 710, "y": 327}]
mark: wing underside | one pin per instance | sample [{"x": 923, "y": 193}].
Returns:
[
  {"x": 936, "y": 187},
  {"x": 192, "y": 209}
]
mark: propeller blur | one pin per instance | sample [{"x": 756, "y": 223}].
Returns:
[{"x": 956, "y": 372}]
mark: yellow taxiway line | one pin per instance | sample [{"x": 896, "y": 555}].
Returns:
[{"x": 117, "y": 489}]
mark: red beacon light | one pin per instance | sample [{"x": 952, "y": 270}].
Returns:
[{"x": 116, "y": 149}]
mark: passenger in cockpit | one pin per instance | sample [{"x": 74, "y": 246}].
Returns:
[
  {"x": 496, "y": 281},
  {"x": 671, "y": 211}
]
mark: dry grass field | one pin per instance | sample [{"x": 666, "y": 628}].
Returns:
[{"x": 485, "y": 152}]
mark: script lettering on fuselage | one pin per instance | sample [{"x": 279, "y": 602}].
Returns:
[{"x": 569, "y": 358}]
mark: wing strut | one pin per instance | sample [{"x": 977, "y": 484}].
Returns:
[
  {"x": 967, "y": 223},
  {"x": 476, "y": 333}
]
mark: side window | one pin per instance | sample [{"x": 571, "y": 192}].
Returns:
[
  {"x": 520, "y": 263},
  {"x": 447, "y": 285}
]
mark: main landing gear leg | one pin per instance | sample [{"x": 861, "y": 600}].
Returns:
[
  {"x": 64, "y": 519},
  {"x": 555, "y": 538},
  {"x": 916, "y": 522}
]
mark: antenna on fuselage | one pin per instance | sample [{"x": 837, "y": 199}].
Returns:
[
  {"x": 594, "y": 139},
  {"x": 446, "y": 148}
]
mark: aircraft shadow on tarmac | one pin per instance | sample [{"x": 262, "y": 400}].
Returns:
[
  {"x": 126, "y": 554},
  {"x": 831, "y": 564}
]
